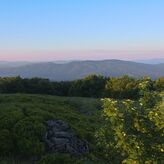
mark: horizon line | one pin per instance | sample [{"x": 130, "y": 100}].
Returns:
[{"x": 71, "y": 60}]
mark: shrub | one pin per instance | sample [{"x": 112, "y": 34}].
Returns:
[
  {"x": 122, "y": 88},
  {"x": 58, "y": 159},
  {"x": 29, "y": 134},
  {"x": 6, "y": 142},
  {"x": 159, "y": 84},
  {"x": 132, "y": 133}
]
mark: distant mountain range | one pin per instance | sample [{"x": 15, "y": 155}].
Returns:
[
  {"x": 152, "y": 61},
  {"x": 79, "y": 69},
  {"x": 13, "y": 64}
]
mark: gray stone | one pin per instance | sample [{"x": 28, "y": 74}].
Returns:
[
  {"x": 63, "y": 135},
  {"x": 59, "y": 141},
  {"x": 60, "y": 138}
]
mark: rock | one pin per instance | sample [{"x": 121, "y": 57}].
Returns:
[
  {"x": 58, "y": 124},
  {"x": 63, "y": 135},
  {"x": 60, "y": 138},
  {"x": 59, "y": 141}
]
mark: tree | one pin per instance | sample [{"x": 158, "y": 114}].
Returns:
[
  {"x": 90, "y": 86},
  {"x": 122, "y": 87}
]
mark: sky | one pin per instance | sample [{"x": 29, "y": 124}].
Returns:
[{"x": 81, "y": 29}]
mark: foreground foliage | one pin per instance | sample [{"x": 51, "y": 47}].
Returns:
[
  {"x": 133, "y": 132},
  {"x": 22, "y": 124},
  {"x": 125, "y": 131}
]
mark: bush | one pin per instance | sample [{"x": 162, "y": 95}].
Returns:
[
  {"x": 132, "y": 133},
  {"x": 122, "y": 88},
  {"x": 29, "y": 134},
  {"x": 150, "y": 99},
  {"x": 159, "y": 84},
  {"x": 6, "y": 142},
  {"x": 58, "y": 159}
]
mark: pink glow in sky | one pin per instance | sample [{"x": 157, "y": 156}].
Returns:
[
  {"x": 35, "y": 30},
  {"x": 77, "y": 55}
]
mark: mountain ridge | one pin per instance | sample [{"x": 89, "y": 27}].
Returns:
[{"x": 79, "y": 69}]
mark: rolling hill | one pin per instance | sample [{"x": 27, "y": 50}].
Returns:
[{"x": 79, "y": 69}]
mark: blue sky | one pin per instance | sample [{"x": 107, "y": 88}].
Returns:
[{"x": 87, "y": 27}]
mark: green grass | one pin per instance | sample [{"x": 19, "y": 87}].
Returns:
[{"x": 21, "y": 112}]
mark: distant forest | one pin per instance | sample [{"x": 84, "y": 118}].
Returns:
[{"x": 96, "y": 86}]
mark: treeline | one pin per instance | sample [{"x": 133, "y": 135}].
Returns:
[{"x": 124, "y": 87}]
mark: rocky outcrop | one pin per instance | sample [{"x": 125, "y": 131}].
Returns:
[{"x": 60, "y": 138}]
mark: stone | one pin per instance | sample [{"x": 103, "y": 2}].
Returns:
[
  {"x": 63, "y": 134},
  {"x": 60, "y": 138}
]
